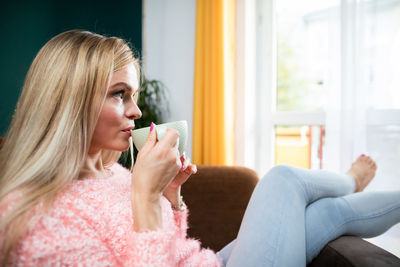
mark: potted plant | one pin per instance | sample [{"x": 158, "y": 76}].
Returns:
[{"x": 153, "y": 103}]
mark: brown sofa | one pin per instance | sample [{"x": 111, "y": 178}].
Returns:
[{"x": 217, "y": 197}]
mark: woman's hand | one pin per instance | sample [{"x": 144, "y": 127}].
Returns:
[
  {"x": 186, "y": 170},
  {"x": 173, "y": 190},
  {"x": 156, "y": 165}
]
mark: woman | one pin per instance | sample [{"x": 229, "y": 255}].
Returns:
[{"x": 65, "y": 201}]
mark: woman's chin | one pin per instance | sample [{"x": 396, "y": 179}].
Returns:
[
  {"x": 123, "y": 148},
  {"x": 120, "y": 147}
]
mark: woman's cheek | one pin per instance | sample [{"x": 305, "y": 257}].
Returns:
[{"x": 113, "y": 113}]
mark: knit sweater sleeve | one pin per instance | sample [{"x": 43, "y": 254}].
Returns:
[
  {"x": 151, "y": 248},
  {"x": 180, "y": 218},
  {"x": 170, "y": 247},
  {"x": 163, "y": 248}
]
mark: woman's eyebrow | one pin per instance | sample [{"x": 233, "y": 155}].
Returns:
[{"x": 123, "y": 84}]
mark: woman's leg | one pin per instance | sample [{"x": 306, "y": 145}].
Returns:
[
  {"x": 362, "y": 214},
  {"x": 272, "y": 232}
]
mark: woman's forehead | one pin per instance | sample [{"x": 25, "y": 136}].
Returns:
[{"x": 127, "y": 75}]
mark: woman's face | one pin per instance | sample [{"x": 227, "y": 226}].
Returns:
[{"x": 112, "y": 131}]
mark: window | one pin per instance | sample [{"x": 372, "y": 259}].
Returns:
[
  {"x": 325, "y": 70},
  {"x": 328, "y": 64},
  {"x": 300, "y": 146}
]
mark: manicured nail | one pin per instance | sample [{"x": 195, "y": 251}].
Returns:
[
  {"x": 151, "y": 126},
  {"x": 362, "y": 155}
]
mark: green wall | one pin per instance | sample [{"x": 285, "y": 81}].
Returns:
[{"x": 25, "y": 26}]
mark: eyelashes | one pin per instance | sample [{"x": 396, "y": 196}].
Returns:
[{"x": 121, "y": 93}]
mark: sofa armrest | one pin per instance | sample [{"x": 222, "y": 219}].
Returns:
[
  {"x": 353, "y": 251},
  {"x": 217, "y": 197}
]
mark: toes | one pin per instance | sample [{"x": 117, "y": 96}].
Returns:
[
  {"x": 371, "y": 162},
  {"x": 367, "y": 159},
  {"x": 361, "y": 158},
  {"x": 364, "y": 159}
]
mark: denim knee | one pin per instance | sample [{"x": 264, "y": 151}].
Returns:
[
  {"x": 285, "y": 178},
  {"x": 284, "y": 173},
  {"x": 284, "y": 170}
]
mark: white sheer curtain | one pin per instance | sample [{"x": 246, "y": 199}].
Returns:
[
  {"x": 362, "y": 112},
  {"x": 346, "y": 108}
]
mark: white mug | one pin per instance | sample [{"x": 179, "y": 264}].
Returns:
[{"x": 139, "y": 136}]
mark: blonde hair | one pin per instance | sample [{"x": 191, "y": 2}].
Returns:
[{"x": 51, "y": 130}]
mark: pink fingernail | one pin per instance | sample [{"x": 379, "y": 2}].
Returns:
[
  {"x": 362, "y": 155},
  {"x": 151, "y": 126}
]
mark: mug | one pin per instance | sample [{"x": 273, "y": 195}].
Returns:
[{"x": 139, "y": 136}]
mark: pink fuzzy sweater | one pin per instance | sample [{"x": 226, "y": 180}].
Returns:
[{"x": 90, "y": 224}]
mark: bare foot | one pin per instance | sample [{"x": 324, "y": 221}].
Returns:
[{"x": 363, "y": 170}]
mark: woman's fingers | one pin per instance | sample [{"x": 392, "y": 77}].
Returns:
[
  {"x": 191, "y": 169},
  {"x": 151, "y": 138},
  {"x": 170, "y": 138},
  {"x": 161, "y": 157},
  {"x": 187, "y": 165},
  {"x": 169, "y": 144}
]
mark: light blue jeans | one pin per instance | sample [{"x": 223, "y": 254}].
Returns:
[{"x": 293, "y": 213}]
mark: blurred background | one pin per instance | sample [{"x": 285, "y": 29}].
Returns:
[{"x": 310, "y": 83}]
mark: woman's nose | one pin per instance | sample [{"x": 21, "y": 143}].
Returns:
[{"x": 132, "y": 111}]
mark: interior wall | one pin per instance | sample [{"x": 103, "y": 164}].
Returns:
[
  {"x": 25, "y": 26},
  {"x": 169, "y": 46}
]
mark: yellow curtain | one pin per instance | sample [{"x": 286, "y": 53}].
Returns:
[{"x": 213, "y": 111}]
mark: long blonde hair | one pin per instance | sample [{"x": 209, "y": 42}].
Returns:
[{"x": 53, "y": 124}]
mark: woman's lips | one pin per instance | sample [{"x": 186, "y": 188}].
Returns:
[{"x": 127, "y": 132}]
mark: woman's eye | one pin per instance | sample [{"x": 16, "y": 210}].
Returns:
[{"x": 119, "y": 94}]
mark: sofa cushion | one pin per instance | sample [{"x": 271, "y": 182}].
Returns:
[{"x": 217, "y": 198}]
